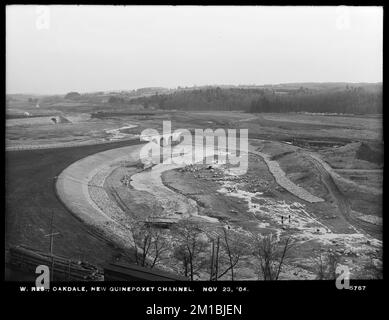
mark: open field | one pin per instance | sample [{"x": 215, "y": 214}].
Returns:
[{"x": 89, "y": 119}]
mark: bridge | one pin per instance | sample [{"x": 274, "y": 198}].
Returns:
[{"x": 163, "y": 140}]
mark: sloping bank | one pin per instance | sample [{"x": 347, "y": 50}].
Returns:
[
  {"x": 78, "y": 184},
  {"x": 81, "y": 188},
  {"x": 283, "y": 180}
]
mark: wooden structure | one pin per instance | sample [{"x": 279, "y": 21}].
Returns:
[
  {"x": 26, "y": 260},
  {"x": 124, "y": 272},
  {"x": 23, "y": 261}
]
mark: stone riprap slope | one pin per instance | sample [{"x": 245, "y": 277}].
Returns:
[{"x": 79, "y": 187}]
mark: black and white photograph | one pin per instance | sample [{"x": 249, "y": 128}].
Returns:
[{"x": 193, "y": 144}]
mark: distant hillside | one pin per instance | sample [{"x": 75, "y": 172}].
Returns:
[
  {"x": 361, "y": 98},
  {"x": 339, "y": 97}
]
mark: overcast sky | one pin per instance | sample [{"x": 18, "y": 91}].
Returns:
[{"x": 57, "y": 49}]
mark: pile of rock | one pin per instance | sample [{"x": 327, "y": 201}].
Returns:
[
  {"x": 99, "y": 178},
  {"x": 189, "y": 168},
  {"x": 126, "y": 180},
  {"x": 105, "y": 204}
]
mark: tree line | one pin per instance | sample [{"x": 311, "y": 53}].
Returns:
[
  {"x": 196, "y": 252},
  {"x": 348, "y": 100},
  {"x": 214, "y": 254},
  {"x": 356, "y": 101}
]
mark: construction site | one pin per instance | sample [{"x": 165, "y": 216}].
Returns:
[
  {"x": 195, "y": 143},
  {"x": 91, "y": 202}
]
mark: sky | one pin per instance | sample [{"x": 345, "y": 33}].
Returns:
[{"x": 57, "y": 49}]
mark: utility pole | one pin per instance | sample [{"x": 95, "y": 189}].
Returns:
[{"x": 51, "y": 235}]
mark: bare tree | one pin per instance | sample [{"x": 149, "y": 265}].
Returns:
[
  {"x": 233, "y": 250},
  {"x": 191, "y": 247},
  {"x": 374, "y": 268},
  {"x": 181, "y": 254},
  {"x": 325, "y": 266},
  {"x": 227, "y": 249},
  {"x": 214, "y": 259},
  {"x": 271, "y": 254},
  {"x": 149, "y": 244}
]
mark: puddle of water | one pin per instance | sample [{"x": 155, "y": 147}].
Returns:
[
  {"x": 174, "y": 204},
  {"x": 117, "y": 135}
]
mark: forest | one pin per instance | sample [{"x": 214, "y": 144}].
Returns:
[{"x": 345, "y": 99}]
